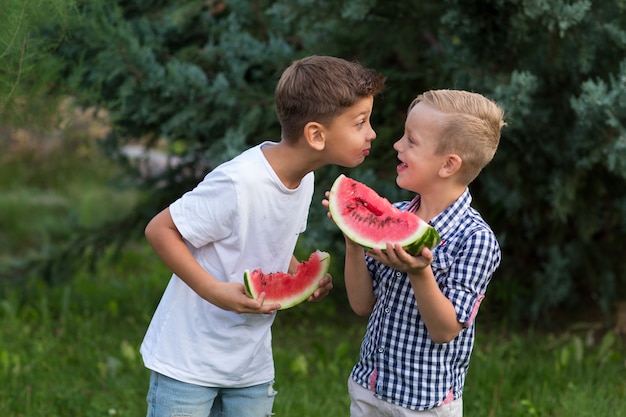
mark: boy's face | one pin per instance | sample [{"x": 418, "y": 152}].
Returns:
[
  {"x": 349, "y": 136},
  {"x": 419, "y": 163}
]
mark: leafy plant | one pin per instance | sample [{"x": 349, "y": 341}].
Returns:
[
  {"x": 196, "y": 80},
  {"x": 27, "y": 64}
]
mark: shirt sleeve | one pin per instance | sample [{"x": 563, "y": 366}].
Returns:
[
  {"x": 206, "y": 213},
  {"x": 470, "y": 273}
]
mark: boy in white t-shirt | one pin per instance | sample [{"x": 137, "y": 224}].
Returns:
[{"x": 208, "y": 345}]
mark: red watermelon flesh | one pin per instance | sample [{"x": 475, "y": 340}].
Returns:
[
  {"x": 286, "y": 289},
  {"x": 371, "y": 220}
]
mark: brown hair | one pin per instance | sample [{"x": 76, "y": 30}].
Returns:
[
  {"x": 472, "y": 127},
  {"x": 319, "y": 88}
]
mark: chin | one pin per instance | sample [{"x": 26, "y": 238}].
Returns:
[
  {"x": 403, "y": 183},
  {"x": 353, "y": 164}
]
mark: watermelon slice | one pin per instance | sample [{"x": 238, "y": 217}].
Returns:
[
  {"x": 286, "y": 289},
  {"x": 371, "y": 220}
]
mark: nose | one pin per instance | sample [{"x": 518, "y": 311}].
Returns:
[{"x": 372, "y": 134}]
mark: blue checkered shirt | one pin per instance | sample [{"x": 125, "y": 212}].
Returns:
[{"x": 399, "y": 362}]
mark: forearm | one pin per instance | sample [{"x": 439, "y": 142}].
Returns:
[
  {"x": 435, "y": 308},
  {"x": 293, "y": 265},
  {"x": 169, "y": 245},
  {"x": 358, "y": 281}
]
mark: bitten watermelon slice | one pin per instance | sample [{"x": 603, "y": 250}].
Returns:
[
  {"x": 286, "y": 289},
  {"x": 371, "y": 220}
]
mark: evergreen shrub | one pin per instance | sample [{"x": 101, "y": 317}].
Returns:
[{"x": 197, "y": 78}]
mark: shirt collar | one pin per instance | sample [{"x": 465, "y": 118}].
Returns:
[{"x": 447, "y": 219}]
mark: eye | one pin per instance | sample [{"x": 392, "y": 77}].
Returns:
[{"x": 360, "y": 124}]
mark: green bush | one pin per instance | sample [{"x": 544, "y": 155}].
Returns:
[
  {"x": 196, "y": 78},
  {"x": 27, "y": 65}
]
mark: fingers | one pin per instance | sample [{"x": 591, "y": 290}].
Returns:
[
  {"x": 268, "y": 309},
  {"x": 326, "y": 204},
  {"x": 258, "y": 306},
  {"x": 377, "y": 254},
  {"x": 327, "y": 280},
  {"x": 325, "y": 286},
  {"x": 396, "y": 257},
  {"x": 427, "y": 254}
]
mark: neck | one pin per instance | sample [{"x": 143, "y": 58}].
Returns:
[
  {"x": 431, "y": 205},
  {"x": 290, "y": 162}
]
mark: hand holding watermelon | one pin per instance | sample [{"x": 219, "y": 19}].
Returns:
[
  {"x": 311, "y": 282},
  {"x": 232, "y": 296},
  {"x": 325, "y": 286},
  {"x": 396, "y": 257}
]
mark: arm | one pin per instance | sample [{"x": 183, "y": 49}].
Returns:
[
  {"x": 293, "y": 265},
  {"x": 167, "y": 242},
  {"x": 435, "y": 308},
  {"x": 359, "y": 285}
]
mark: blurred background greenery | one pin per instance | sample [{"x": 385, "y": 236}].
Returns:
[
  {"x": 195, "y": 80},
  {"x": 85, "y": 84}
]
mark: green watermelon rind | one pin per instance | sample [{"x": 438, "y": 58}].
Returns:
[
  {"x": 429, "y": 239},
  {"x": 304, "y": 294},
  {"x": 425, "y": 235}
]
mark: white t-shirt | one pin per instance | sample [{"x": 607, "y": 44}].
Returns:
[{"x": 239, "y": 217}]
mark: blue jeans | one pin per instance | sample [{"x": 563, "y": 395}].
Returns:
[{"x": 168, "y": 397}]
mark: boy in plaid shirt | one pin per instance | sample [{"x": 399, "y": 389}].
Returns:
[{"x": 416, "y": 350}]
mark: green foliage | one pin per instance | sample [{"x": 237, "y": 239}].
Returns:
[
  {"x": 26, "y": 61},
  {"x": 546, "y": 375},
  {"x": 557, "y": 69},
  {"x": 58, "y": 195},
  {"x": 187, "y": 73},
  {"x": 73, "y": 348},
  {"x": 557, "y": 153},
  {"x": 196, "y": 79}
]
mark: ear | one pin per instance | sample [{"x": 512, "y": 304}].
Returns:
[
  {"x": 451, "y": 165},
  {"x": 315, "y": 135}
]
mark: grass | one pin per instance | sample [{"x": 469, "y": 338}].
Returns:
[
  {"x": 73, "y": 348},
  {"x": 540, "y": 374}
]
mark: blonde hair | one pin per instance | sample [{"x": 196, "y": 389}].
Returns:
[
  {"x": 319, "y": 88},
  {"x": 471, "y": 130}
]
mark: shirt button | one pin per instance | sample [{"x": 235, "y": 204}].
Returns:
[
  {"x": 387, "y": 310},
  {"x": 380, "y": 350},
  {"x": 398, "y": 274}
]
